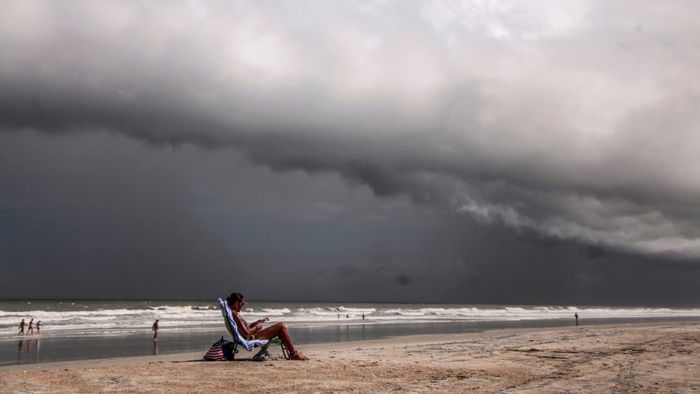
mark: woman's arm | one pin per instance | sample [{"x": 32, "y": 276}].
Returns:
[{"x": 245, "y": 329}]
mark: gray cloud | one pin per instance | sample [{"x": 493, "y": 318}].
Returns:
[
  {"x": 574, "y": 121},
  {"x": 100, "y": 215}
]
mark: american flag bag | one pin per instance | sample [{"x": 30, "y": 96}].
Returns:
[{"x": 216, "y": 351}]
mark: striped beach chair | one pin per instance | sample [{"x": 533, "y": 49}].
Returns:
[{"x": 238, "y": 339}]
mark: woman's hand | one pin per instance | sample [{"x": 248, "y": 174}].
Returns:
[{"x": 257, "y": 325}]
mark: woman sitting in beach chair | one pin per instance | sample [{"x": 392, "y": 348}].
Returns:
[{"x": 256, "y": 330}]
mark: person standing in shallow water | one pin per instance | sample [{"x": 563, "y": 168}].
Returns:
[
  {"x": 256, "y": 330},
  {"x": 38, "y": 327},
  {"x": 576, "y": 317},
  {"x": 21, "y": 327},
  {"x": 154, "y": 328},
  {"x": 30, "y": 328}
]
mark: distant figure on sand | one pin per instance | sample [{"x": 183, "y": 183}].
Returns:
[
  {"x": 21, "y": 327},
  {"x": 30, "y": 328},
  {"x": 255, "y": 330},
  {"x": 154, "y": 328},
  {"x": 38, "y": 327},
  {"x": 576, "y": 317}
]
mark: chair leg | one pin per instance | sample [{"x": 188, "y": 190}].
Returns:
[
  {"x": 262, "y": 354},
  {"x": 285, "y": 352}
]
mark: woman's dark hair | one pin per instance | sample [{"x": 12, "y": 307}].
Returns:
[{"x": 230, "y": 300}]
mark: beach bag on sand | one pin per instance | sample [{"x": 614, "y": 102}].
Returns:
[{"x": 221, "y": 350}]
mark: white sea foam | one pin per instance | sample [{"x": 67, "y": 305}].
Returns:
[
  {"x": 273, "y": 312},
  {"x": 119, "y": 318}
]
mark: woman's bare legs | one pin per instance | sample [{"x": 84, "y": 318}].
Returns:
[{"x": 280, "y": 330}]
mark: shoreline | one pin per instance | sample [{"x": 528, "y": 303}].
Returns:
[
  {"x": 73, "y": 349},
  {"x": 662, "y": 356},
  {"x": 322, "y": 346}
]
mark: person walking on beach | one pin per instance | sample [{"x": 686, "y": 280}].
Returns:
[
  {"x": 256, "y": 330},
  {"x": 30, "y": 328},
  {"x": 38, "y": 327},
  {"x": 21, "y": 327},
  {"x": 154, "y": 328},
  {"x": 576, "y": 317}
]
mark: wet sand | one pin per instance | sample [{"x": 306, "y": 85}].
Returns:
[{"x": 658, "y": 357}]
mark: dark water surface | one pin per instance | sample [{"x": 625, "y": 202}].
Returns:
[{"x": 34, "y": 350}]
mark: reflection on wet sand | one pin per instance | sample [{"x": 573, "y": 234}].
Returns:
[{"x": 28, "y": 350}]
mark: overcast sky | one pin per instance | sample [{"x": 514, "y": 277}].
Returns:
[{"x": 464, "y": 151}]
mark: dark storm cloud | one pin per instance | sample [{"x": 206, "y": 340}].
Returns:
[
  {"x": 574, "y": 121},
  {"x": 97, "y": 215}
]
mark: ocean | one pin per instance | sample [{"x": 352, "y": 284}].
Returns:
[{"x": 87, "y": 329}]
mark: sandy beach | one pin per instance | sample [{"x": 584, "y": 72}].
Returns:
[{"x": 659, "y": 357}]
